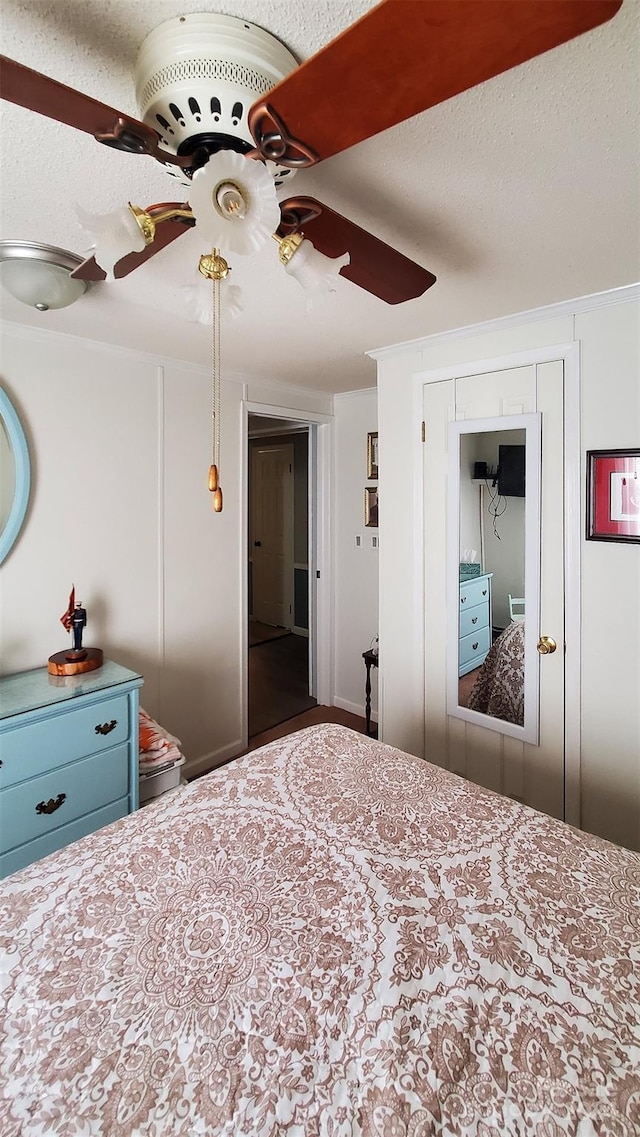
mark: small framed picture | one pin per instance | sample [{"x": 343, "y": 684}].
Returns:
[
  {"x": 371, "y": 507},
  {"x": 372, "y": 454},
  {"x": 613, "y": 495}
]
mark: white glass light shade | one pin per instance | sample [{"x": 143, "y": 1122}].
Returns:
[
  {"x": 198, "y": 300},
  {"x": 39, "y": 275},
  {"x": 229, "y": 180},
  {"x": 313, "y": 270},
  {"x": 113, "y": 234}
]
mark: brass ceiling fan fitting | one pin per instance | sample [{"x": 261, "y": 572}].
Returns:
[
  {"x": 288, "y": 246},
  {"x": 148, "y": 219},
  {"x": 213, "y": 266}
]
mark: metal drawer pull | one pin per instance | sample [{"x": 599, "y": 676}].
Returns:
[
  {"x": 106, "y": 727},
  {"x": 475, "y": 647},
  {"x": 474, "y": 619},
  {"x": 51, "y": 805},
  {"x": 462, "y": 599},
  {"x": 484, "y": 592}
]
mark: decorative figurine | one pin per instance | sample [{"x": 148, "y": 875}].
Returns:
[
  {"x": 75, "y": 620},
  {"x": 78, "y": 658}
]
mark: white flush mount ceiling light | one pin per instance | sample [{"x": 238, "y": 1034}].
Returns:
[{"x": 40, "y": 275}]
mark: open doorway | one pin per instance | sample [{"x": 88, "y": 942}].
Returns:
[{"x": 280, "y": 679}]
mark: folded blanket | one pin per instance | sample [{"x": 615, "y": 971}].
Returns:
[
  {"x": 148, "y": 762},
  {"x": 157, "y": 747}
]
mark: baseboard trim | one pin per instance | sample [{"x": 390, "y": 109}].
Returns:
[
  {"x": 193, "y": 767},
  {"x": 354, "y": 708}
]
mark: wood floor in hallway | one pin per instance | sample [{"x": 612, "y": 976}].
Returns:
[
  {"x": 317, "y": 714},
  {"x": 278, "y": 682}
]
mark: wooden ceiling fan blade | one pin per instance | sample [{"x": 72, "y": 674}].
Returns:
[
  {"x": 403, "y": 57},
  {"x": 165, "y": 234},
  {"x": 48, "y": 97},
  {"x": 375, "y": 266}
]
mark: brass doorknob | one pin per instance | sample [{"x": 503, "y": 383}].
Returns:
[{"x": 546, "y": 645}]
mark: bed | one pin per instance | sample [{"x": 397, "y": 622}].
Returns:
[
  {"x": 499, "y": 687},
  {"x": 326, "y": 937}
]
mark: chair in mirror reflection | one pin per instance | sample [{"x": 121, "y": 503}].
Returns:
[{"x": 516, "y": 607}]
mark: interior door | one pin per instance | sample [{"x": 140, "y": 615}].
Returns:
[
  {"x": 530, "y": 773},
  {"x": 271, "y": 533}
]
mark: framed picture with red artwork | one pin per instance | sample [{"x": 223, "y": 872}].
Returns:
[{"x": 613, "y": 495}]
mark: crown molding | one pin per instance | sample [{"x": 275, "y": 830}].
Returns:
[
  {"x": 46, "y": 335},
  {"x": 623, "y": 295},
  {"x": 359, "y": 392}
]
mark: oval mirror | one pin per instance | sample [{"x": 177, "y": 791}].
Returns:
[{"x": 15, "y": 475}]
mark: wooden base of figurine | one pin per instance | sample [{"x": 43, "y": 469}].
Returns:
[{"x": 75, "y": 662}]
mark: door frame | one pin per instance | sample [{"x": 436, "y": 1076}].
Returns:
[
  {"x": 288, "y": 599},
  {"x": 320, "y": 519},
  {"x": 569, "y": 354}
]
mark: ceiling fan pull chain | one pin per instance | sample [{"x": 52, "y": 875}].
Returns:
[
  {"x": 215, "y": 393},
  {"x": 215, "y": 268}
]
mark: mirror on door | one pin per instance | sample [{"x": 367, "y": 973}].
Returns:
[{"x": 493, "y": 559}]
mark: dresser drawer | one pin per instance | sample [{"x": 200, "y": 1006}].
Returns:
[
  {"x": 79, "y": 788},
  {"x": 474, "y": 648},
  {"x": 473, "y": 619},
  {"x": 474, "y": 592},
  {"x": 39, "y": 747},
  {"x": 42, "y": 846}
]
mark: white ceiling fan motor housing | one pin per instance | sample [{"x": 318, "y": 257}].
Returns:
[{"x": 196, "y": 78}]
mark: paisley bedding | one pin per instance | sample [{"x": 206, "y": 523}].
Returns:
[
  {"x": 326, "y": 937},
  {"x": 499, "y": 688}
]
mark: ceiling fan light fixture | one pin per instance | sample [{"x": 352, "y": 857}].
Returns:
[
  {"x": 198, "y": 300},
  {"x": 40, "y": 275},
  {"x": 314, "y": 271},
  {"x": 114, "y": 235},
  {"x": 234, "y": 203}
]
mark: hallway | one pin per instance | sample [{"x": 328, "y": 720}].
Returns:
[{"x": 278, "y": 682}]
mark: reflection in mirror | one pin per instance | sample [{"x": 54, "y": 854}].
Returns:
[
  {"x": 15, "y": 475},
  {"x": 7, "y": 476},
  {"x": 494, "y": 582}
]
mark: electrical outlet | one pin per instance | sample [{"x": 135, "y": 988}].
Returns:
[
  {"x": 358, "y": 540},
  {"x": 374, "y": 542}
]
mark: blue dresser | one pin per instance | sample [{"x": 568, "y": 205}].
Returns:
[
  {"x": 68, "y": 758},
  {"x": 474, "y": 622}
]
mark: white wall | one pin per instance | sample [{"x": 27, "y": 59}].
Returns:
[
  {"x": 119, "y": 444},
  {"x": 610, "y": 347},
  {"x": 356, "y": 568},
  {"x": 608, "y": 331}
]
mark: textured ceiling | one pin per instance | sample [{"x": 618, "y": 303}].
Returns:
[{"x": 518, "y": 193}]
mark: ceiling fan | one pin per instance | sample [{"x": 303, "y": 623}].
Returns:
[{"x": 216, "y": 89}]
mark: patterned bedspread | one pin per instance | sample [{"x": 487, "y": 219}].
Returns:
[
  {"x": 499, "y": 688},
  {"x": 327, "y": 937}
]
